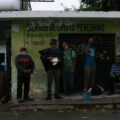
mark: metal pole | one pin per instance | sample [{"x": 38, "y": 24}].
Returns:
[
  {"x": 29, "y": 4},
  {"x": 22, "y": 4}
]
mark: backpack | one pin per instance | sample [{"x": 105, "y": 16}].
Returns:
[
  {"x": 97, "y": 90},
  {"x": 44, "y": 61}
]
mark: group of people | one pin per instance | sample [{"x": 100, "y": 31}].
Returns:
[
  {"x": 61, "y": 63},
  {"x": 58, "y": 63}
]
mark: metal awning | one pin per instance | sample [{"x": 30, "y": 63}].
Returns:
[{"x": 58, "y": 14}]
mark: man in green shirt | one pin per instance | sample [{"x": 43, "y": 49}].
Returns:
[{"x": 68, "y": 69}]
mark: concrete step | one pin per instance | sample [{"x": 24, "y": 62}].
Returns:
[
  {"x": 73, "y": 102},
  {"x": 68, "y": 104}
]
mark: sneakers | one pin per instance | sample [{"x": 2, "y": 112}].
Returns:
[
  {"x": 20, "y": 100},
  {"x": 58, "y": 97},
  {"x": 28, "y": 99},
  {"x": 48, "y": 98},
  {"x": 4, "y": 100}
]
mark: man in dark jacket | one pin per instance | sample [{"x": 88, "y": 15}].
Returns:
[
  {"x": 25, "y": 67},
  {"x": 53, "y": 58}
]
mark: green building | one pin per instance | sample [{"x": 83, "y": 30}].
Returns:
[{"x": 34, "y": 29}]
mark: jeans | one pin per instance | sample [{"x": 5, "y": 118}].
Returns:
[
  {"x": 68, "y": 82},
  {"x": 23, "y": 80},
  {"x": 53, "y": 75},
  {"x": 89, "y": 77}
]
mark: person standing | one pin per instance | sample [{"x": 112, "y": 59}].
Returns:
[
  {"x": 25, "y": 66},
  {"x": 68, "y": 69},
  {"x": 53, "y": 59},
  {"x": 89, "y": 64}
]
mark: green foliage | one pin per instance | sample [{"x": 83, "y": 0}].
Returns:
[{"x": 99, "y": 5}]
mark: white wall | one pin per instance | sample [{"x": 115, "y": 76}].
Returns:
[{"x": 9, "y": 4}]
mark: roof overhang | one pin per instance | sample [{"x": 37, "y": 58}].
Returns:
[
  {"x": 41, "y": 0},
  {"x": 58, "y": 14}
]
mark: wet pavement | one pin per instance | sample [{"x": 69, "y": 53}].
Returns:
[
  {"x": 69, "y": 108},
  {"x": 61, "y": 115}
]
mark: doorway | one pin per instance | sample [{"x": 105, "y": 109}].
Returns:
[
  {"x": 5, "y": 58},
  {"x": 105, "y": 43}
]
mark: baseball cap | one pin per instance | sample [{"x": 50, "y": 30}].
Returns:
[{"x": 22, "y": 48}]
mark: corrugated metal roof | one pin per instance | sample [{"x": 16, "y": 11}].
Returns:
[{"x": 58, "y": 14}]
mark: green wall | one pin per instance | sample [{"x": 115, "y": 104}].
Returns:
[{"x": 36, "y": 34}]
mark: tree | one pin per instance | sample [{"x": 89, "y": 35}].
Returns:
[{"x": 99, "y": 5}]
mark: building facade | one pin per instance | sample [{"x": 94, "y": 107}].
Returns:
[{"x": 35, "y": 29}]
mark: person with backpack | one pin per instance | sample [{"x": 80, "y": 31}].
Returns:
[
  {"x": 68, "y": 68},
  {"x": 25, "y": 67}
]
